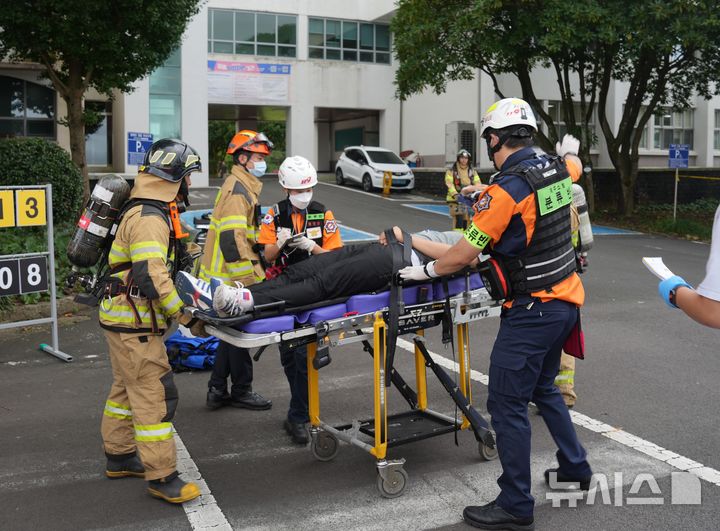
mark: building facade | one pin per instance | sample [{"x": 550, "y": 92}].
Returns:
[{"x": 326, "y": 70}]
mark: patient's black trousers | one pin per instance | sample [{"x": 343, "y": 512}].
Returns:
[{"x": 341, "y": 273}]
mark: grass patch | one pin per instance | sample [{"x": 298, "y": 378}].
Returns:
[{"x": 694, "y": 220}]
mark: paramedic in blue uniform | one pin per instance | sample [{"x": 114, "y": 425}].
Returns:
[
  {"x": 528, "y": 235},
  {"x": 309, "y": 229}
]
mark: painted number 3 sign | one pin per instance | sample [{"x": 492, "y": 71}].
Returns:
[{"x": 22, "y": 208}]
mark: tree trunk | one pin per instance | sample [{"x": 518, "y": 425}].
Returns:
[
  {"x": 76, "y": 124},
  {"x": 627, "y": 183}
]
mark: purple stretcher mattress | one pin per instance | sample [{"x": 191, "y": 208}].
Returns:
[{"x": 361, "y": 304}]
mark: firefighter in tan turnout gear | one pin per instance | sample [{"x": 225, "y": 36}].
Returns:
[
  {"x": 231, "y": 255},
  {"x": 139, "y": 303}
]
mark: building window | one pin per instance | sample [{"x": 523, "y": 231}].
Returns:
[
  {"x": 555, "y": 111},
  {"x": 26, "y": 109},
  {"x": 716, "y": 139},
  {"x": 165, "y": 104},
  {"x": 348, "y": 40},
  {"x": 673, "y": 127},
  {"x": 98, "y": 139},
  {"x": 249, "y": 33}
]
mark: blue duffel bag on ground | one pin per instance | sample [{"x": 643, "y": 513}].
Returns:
[{"x": 191, "y": 353}]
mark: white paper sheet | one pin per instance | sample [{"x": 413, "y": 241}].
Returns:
[{"x": 657, "y": 267}]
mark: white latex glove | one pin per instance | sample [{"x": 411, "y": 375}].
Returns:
[
  {"x": 570, "y": 145},
  {"x": 418, "y": 272},
  {"x": 304, "y": 243},
  {"x": 282, "y": 236}
]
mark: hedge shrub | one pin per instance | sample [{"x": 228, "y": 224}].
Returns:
[{"x": 38, "y": 161}]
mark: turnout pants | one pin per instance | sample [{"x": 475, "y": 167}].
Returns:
[
  {"x": 341, "y": 273},
  {"x": 141, "y": 402},
  {"x": 459, "y": 215},
  {"x": 234, "y": 362},
  {"x": 523, "y": 365},
  {"x": 565, "y": 380}
]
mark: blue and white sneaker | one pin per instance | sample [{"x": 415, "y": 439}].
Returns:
[
  {"x": 231, "y": 300},
  {"x": 194, "y": 292}
]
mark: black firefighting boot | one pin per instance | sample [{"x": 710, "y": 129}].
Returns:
[
  {"x": 123, "y": 466},
  {"x": 173, "y": 489}
]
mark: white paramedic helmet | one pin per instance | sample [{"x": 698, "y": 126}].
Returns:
[
  {"x": 296, "y": 173},
  {"x": 508, "y": 112}
]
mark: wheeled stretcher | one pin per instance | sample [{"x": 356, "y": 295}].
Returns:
[{"x": 366, "y": 319}]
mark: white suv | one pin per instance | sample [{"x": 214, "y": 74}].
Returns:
[{"x": 366, "y": 165}]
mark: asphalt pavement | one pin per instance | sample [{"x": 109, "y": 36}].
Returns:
[{"x": 647, "y": 409}]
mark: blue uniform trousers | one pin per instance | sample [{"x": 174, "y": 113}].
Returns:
[
  {"x": 523, "y": 365},
  {"x": 294, "y": 362}
]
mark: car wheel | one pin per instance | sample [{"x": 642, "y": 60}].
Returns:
[
  {"x": 367, "y": 184},
  {"x": 339, "y": 178}
]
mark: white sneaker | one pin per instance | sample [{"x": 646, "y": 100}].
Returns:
[{"x": 230, "y": 301}]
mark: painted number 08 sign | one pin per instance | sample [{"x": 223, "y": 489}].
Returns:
[{"x": 24, "y": 275}]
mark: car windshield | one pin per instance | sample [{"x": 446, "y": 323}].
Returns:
[{"x": 383, "y": 157}]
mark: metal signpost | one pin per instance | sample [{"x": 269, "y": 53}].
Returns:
[
  {"x": 678, "y": 157},
  {"x": 138, "y": 144},
  {"x": 30, "y": 206}
]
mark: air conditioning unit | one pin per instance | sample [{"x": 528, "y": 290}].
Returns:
[{"x": 459, "y": 135}]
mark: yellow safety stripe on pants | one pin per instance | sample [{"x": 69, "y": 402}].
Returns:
[
  {"x": 117, "y": 411},
  {"x": 153, "y": 432},
  {"x": 171, "y": 303},
  {"x": 123, "y": 316},
  {"x": 146, "y": 250},
  {"x": 565, "y": 377}
]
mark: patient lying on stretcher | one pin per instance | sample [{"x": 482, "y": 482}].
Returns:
[{"x": 344, "y": 272}]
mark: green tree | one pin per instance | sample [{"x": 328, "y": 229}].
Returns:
[
  {"x": 88, "y": 44},
  {"x": 665, "y": 49}
]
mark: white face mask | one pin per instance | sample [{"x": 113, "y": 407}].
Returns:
[
  {"x": 259, "y": 168},
  {"x": 301, "y": 201}
]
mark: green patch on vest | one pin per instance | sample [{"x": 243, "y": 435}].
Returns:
[
  {"x": 555, "y": 196},
  {"x": 313, "y": 217},
  {"x": 476, "y": 237}
]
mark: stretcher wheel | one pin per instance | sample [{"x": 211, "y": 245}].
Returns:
[
  {"x": 325, "y": 446},
  {"x": 394, "y": 485},
  {"x": 487, "y": 453}
]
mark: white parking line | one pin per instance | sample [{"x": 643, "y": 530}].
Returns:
[
  {"x": 405, "y": 197},
  {"x": 203, "y": 512},
  {"x": 677, "y": 461}
]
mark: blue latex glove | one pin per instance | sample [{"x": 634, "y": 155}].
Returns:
[{"x": 667, "y": 285}]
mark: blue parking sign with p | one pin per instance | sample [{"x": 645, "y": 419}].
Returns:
[
  {"x": 138, "y": 145},
  {"x": 679, "y": 155}
]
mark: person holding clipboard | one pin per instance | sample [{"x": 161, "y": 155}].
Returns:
[
  {"x": 701, "y": 304},
  {"x": 291, "y": 231}
]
